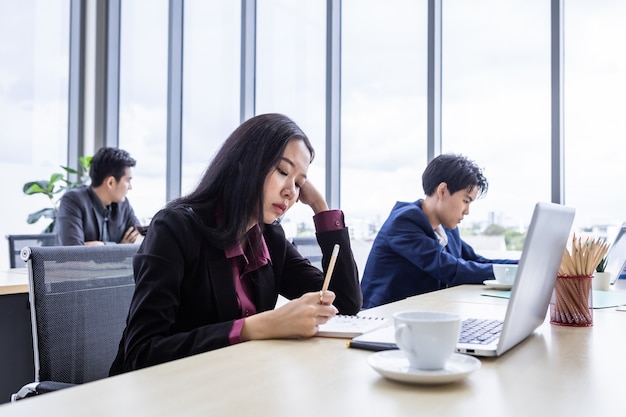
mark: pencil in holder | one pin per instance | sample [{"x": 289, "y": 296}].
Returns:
[{"x": 572, "y": 302}]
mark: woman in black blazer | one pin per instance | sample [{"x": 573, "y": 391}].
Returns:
[{"x": 211, "y": 267}]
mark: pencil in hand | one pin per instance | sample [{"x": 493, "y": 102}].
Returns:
[{"x": 329, "y": 271}]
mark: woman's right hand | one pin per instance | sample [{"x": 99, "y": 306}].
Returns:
[{"x": 297, "y": 318}]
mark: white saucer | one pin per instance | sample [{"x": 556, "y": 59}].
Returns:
[
  {"x": 493, "y": 284},
  {"x": 394, "y": 365}
]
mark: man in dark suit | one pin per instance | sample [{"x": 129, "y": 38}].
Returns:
[
  {"x": 99, "y": 213},
  {"x": 419, "y": 247}
]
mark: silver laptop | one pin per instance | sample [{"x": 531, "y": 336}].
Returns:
[
  {"x": 545, "y": 242},
  {"x": 538, "y": 267},
  {"x": 616, "y": 257}
]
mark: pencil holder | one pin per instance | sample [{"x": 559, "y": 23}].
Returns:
[{"x": 572, "y": 303}]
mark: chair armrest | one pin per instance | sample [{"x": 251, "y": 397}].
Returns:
[{"x": 38, "y": 388}]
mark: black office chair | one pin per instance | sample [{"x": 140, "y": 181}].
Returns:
[
  {"x": 17, "y": 242},
  {"x": 310, "y": 249},
  {"x": 79, "y": 297}
]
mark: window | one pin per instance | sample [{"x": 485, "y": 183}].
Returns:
[
  {"x": 143, "y": 100},
  {"x": 594, "y": 113},
  {"x": 496, "y": 103},
  {"x": 34, "y": 73},
  {"x": 383, "y": 93},
  {"x": 211, "y": 79},
  {"x": 291, "y": 75}
]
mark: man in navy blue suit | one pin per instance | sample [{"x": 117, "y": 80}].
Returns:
[{"x": 419, "y": 249}]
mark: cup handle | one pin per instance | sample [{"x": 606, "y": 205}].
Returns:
[{"x": 399, "y": 334}]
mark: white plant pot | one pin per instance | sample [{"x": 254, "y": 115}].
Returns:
[{"x": 601, "y": 281}]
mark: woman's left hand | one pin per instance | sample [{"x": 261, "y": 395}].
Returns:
[{"x": 310, "y": 196}]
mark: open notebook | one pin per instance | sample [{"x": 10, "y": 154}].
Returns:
[
  {"x": 530, "y": 296},
  {"x": 344, "y": 326}
]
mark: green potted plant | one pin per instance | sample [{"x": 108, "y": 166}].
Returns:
[
  {"x": 601, "y": 278},
  {"x": 53, "y": 189}
]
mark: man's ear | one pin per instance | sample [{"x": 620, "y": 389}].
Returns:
[
  {"x": 441, "y": 189},
  {"x": 110, "y": 181}
]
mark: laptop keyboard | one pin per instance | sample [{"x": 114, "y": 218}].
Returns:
[{"x": 480, "y": 331}]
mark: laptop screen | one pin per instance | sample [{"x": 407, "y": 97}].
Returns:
[{"x": 616, "y": 257}]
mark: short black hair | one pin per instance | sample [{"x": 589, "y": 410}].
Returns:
[
  {"x": 457, "y": 171},
  {"x": 109, "y": 161}
]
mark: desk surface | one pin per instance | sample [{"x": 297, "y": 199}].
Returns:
[
  {"x": 14, "y": 281},
  {"x": 557, "y": 371}
]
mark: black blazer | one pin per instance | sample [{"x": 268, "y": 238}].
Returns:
[{"x": 185, "y": 300}]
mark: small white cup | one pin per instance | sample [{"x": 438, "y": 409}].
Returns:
[
  {"x": 427, "y": 338},
  {"x": 601, "y": 281},
  {"x": 505, "y": 273}
]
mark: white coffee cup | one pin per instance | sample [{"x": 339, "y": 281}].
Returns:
[
  {"x": 427, "y": 338},
  {"x": 505, "y": 273}
]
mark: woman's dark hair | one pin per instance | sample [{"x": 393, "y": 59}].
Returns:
[
  {"x": 458, "y": 172},
  {"x": 107, "y": 162},
  {"x": 232, "y": 185}
]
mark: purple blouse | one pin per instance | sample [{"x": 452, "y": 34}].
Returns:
[{"x": 245, "y": 262}]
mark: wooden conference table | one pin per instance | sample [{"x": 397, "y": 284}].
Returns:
[
  {"x": 559, "y": 371},
  {"x": 14, "y": 281}
]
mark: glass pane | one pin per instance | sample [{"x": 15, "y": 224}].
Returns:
[
  {"x": 291, "y": 75},
  {"x": 496, "y": 105},
  {"x": 595, "y": 87},
  {"x": 143, "y": 99},
  {"x": 384, "y": 97},
  {"x": 211, "y": 82},
  {"x": 34, "y": 73}
]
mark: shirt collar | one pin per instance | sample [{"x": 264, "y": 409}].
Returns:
[
  {"x": 260, "y": 256},
  {"x": 97, "y": 202},
  {"x": 442, "y": 237}
]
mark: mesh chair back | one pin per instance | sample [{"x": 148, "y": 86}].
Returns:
[
  {"x": 17, "y": 242},
  {"x": 79, "y": 298},
  {"x": 310, "y": 249}
]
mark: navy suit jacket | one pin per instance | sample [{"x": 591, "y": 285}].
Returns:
[{"x": 407, "y": 259}]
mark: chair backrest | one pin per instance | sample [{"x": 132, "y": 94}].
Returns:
[
  {"x": 17, "y": 242},
  {"x": 310, "y": 249},
  {"x": 79, "y": 298}
]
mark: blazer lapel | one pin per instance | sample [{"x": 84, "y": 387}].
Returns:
[
  {"x": 265, "y": 288},
  {"x": 224, "y": 295}
]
